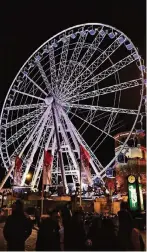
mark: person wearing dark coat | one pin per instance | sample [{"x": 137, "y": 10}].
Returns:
[
  {"x": 18, "y": 228},
  {"x": 94, "y": 233},
  {"x": 128, "y": 236},
  {"x": 77, "y": 235},
  {"x": 66, "y": 218},
  {"x": 37, "y": 216},
  {"x": 48, "y": 238},
  {"x": 108, "y": 240}
]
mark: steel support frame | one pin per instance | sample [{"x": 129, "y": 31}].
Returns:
[
  {"x": 40, "y": 163},
  {"x": 69, "y": 147},
  {"x": 59, "y": 147},
  {"x": 81, "y": 141}
]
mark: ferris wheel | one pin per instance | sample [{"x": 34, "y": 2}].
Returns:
[{"x": 81, "y": 87}]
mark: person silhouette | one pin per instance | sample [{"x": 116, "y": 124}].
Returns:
[{"x": 18, "y": 228}]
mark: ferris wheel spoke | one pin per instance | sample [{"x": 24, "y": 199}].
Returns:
[
  {"x": 34, "y": 130},
  {"x": 99, "y": 143},
  {"x": 35, "y": 84},
  {"x": 104, "y": 74},
  {"x": 52, "y": 68},
  {"x": 108, "y": 125},
  {"x": 40, "y": 131},
  {"x": 22, "y": 118},
  {"x": 107, "y": 109},
  {"x": 30, "y": 126},
  {"x": 19, "y": 148},
  {"x": 63, "y": 60},
  {"x": 116, "y": 128},
  {"x": 74, "y": 57},
  {"x": 30, "y": 95},
  {"x": 98, "y": 118},
  {"x": 22, "y": 131},
  {"x": 100, "y": 60},
  {"x": 87, "y": 56},
  {"x": 29, "y": 106},
  {"x": 94, "y": 126},
  {"x": 43, "y": 74},
  {"x": 107, "y": 90}
]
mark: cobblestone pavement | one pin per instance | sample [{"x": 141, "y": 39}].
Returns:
[{"x": 30, "y": 243}]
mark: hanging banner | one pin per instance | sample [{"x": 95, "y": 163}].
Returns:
[
  {"x": 17, "y": 171},
  {"x": 48, "y": 159},
  {"x": 132, "y": 193},
  {"x": 85, "y": 169}
]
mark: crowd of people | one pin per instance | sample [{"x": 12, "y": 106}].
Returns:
[{"x": 78, "y": 231}]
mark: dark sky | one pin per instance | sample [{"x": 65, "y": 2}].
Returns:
[{"x": 25, "y": 25}]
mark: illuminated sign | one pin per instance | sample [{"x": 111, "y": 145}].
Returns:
[
  {"x": 140, "y": 194},
  {"x": 141, "y": 197},
  {"x": 132, "y": 193},
  {"x": 133, "y": 197}
]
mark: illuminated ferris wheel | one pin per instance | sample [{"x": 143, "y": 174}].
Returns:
[{"x": 75, "y": 90}]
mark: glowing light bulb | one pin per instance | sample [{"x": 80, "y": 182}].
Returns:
[
  {"x": 29, "y": 176},
  {"x": 73, "y": 36},
  {"x": 92, "y": 32}
]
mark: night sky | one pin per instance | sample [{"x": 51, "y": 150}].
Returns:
[{"x": 24, "y": 26}]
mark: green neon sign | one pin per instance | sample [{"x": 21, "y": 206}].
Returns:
[
  {"x": 141, "y": 197},
  {"x": 132, "y": 193}
]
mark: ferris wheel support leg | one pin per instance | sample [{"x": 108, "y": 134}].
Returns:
[
  {"x": 71, "y": 133},
  {"x": 91, "y": 160},
  {"x": 79, "y": 140},
  {"x": 70, "y": 150},
  {"x": 38, "y": 168},
  {"x": 59, "y": 149},
  {"x": 6, "y": 177},
  {"x": 35, "y": 146}
]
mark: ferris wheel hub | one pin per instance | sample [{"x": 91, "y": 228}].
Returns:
[{"x": 48, "y": 100}]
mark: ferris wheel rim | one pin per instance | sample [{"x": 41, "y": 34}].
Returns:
[{"x": 139, "y": 108}]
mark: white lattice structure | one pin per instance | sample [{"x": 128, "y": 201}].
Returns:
[{"x": 61, "y": 92}]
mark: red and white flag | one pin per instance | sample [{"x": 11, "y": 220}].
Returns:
[
  {"x": 17, "y": 171},
  {"x": 85, "y": 169},
  {"x": 48, "y": 159}
]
